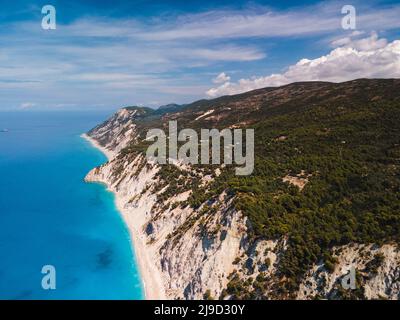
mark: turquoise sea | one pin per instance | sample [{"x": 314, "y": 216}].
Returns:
[{"x": 50, "y": 216}]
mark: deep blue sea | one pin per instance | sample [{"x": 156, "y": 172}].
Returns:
[{"x": 50, "y": 216}]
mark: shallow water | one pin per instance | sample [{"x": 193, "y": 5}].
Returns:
[{"x": 50, "y": 216}]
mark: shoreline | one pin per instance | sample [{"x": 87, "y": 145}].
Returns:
[
  {"x": 109, "y": 154},
  {"x": 153, "y": 288}
]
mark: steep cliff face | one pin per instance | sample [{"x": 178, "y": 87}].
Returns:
[
  {"x": 115, "y": 133},
  {"x": 192, "y": 250},
  {"x": 208, "y": 249}
]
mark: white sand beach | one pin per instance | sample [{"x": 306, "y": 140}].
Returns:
[
  {"x": 152, "y": 281},
  {"x": 109, "y": 154}
]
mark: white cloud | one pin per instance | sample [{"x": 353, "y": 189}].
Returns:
[
  {"x": 231, "y": 53},
  {"x": 221, "y": 78},
  {"x": 105, "y": 77},
  {"x": 369, "y": 58},
  {"x": 221, "y": 24},
  {"x": 264, "y": 22},
  {"x": 27, "y": 105},
  {"x": 371, "y": 43}
]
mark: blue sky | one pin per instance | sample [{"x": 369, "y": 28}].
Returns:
[{"x": 107, "y": 54}]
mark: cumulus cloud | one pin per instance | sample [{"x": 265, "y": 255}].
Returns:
[
  {"x": 370, "y": 57},
  {"x": 371, "y": 43},
  {"x": 221, "y": 78}
]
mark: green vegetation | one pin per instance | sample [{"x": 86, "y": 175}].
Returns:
[
  {"x": 238, "y": 288},
  {"x": 353, "y": 194},
  {"x": 373, "y": 265},
  {"x": 207, "y": 295}
]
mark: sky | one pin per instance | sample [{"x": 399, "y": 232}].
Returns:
[{"x": 108, "y": 54}]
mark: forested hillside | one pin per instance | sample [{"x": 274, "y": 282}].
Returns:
[{"x": 327, "y": 170}]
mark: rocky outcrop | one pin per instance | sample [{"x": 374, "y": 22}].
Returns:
[{"x": 377, "y": 270}]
